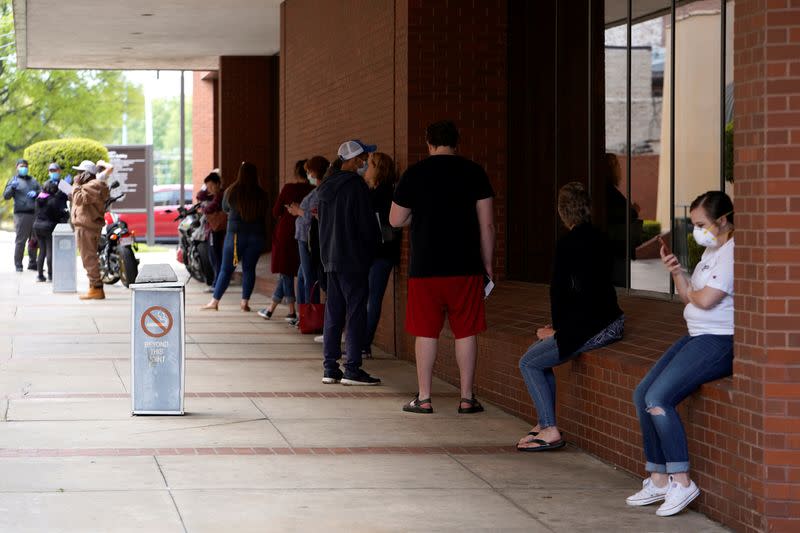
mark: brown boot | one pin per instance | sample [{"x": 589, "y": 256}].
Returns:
[{"x": 95, "y": 293}]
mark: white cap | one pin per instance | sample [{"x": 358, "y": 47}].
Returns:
[
  {"x": 87, "y": 166},
  {"x": 103, "y": 164},
  {"x": 349, "y": 149}
]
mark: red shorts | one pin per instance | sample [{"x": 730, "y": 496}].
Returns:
[{"x": 460, "y": 297}]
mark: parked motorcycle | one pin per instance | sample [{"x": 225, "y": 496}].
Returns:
[
  {"x": 116, "y": 248},
  {"x": 193, "y": 246}
]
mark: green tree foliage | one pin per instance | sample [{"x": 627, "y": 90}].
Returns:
[
  {"x": 66, "y": 152},
  {"x": 37, "y": 105},
  {"x": 167, "y": 139}
]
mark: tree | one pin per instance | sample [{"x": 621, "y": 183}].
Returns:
[
  {"x": 167, "y": 139},
  {"x": 37, "y": 105}
]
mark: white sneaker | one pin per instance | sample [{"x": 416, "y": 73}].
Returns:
[
  {"x": 678, "y": 497},
  {"x": 319, "y": 339},
  {"x": 649, "y": 494}
]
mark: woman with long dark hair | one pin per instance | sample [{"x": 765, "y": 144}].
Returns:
[{"x": 245, "y": 202}]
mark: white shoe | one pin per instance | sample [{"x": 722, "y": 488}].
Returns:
[
  {"x": 678, "y": 497},
  {"x": 649, "y": 494},
  {"x": 319, "y": 339}
]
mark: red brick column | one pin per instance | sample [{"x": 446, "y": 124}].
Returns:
[
  {"x": 205, "y": 124},
  {"x": 767, "y": 199}
]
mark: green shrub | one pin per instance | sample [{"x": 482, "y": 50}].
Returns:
[
  {"x": 695, "y": 252},
  {"x": 650, "y": 229},
  {"x": 66, "y": 152}
]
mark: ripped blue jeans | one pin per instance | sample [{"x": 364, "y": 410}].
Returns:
[{"x": 689, "y": 363}]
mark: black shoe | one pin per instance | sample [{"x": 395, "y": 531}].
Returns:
[
  {"x": 31, "y": 266},
  {"x": 41, "y": 279},
  {"x": 332, "y": 377},
  {"x": 19, "y": 269},
  {"x": 291, "y": 318},
  {"x": 265, "y": 313},
  {"x": 361, "y": 378}
]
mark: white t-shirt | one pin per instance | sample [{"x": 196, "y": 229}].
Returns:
[{"x": 715, "y": 270}]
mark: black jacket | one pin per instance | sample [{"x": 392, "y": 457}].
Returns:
[
  {"x": 388, "y": 237},
  {"x": 348, "y": 229},
  {"x": 50, "y": 211},
  {"x": 583, "y": 300}
]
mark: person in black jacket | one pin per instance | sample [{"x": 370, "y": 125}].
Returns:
[
  {"x": 584, "y": 311},
  {"x": 380, "y": 178},
  {"x": 51, "y": 209},
  {"x": 348, "y": 234}
]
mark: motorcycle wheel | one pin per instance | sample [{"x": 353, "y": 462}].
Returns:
[
  {"x": 128, "y": 266},
  {"x": 205, "y": 262}
]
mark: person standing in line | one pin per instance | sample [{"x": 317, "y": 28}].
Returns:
[
  {"x": 24, "y": 189},
  {"x": 706, "y": 354},
  {"x": 448, "y": 202},
  {"x": 380, "y": 178},
  {"x": 245, "y": 202},
  {"x": 307, "y": 275},
  {"x": 89, "y": 198},
  {"x": 285, "y": 256},
  {"x": 50, "y": 211},
  {"x": 216, "y": 222},
  {"x": 348, "y": 234},
  {"x": 584, "y": 309}
]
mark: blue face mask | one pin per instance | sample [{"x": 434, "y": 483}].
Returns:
[
  {"x": 23, "y": 171},
  {"x": 54, "y": 176}
]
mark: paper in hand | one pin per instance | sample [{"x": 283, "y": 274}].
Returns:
[
  {"x": 65, "y": 187},
  {"x": 488, "y": 287}
]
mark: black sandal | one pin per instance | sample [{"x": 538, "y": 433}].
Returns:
[
  {"x": 544, "y": 446},
  {"x": 415, "y": 406},
  {"x": 474, "y": 406}
]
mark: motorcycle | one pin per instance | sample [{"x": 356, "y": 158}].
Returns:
[
  {"x": 116, "y": 248},
  {"x": 193, "y": 246}
]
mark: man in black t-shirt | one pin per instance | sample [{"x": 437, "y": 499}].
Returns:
[{"x": 448, "y": 201}]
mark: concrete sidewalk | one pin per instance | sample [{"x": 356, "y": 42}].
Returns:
[{"x": 264, "y": 446}]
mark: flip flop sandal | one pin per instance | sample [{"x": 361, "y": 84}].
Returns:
[
  {"x": 544, "y": 446},
  {"x": 474, "y": 406},
  {"x": 415, "y": 406}
]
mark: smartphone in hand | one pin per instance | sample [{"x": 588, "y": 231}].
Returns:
[{"x": 665, "y": 245}]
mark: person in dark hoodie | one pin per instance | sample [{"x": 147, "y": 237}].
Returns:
[
  {"x": 348, "y": 235},
  {"x": 51, "y": 209},
  {"x": 24, "y": 189}
]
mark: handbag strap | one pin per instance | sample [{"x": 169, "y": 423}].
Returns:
[{"x": 311, "y": 290}]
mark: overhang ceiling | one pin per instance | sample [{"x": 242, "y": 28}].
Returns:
[{"x": 143, "y": 34}]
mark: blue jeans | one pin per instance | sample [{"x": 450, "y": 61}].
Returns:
[
  {"x": 346, "y": 303},
  {"x": 537, "y": 365},
  {"x": 249, "y": 250},
  {"x": 284, "y": 290},
  {"x": 378, "y": 279},
  {"x": 306, "y": 276},
  {"x": 216, "y": 240},
  {"x": 689, "y": 363}
]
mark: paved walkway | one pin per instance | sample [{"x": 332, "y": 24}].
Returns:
[{"x": 264, "y": 446}]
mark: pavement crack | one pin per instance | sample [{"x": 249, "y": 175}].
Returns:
[
  {"x": 114, "y": 364},
  {"x": 200, "y": 427},
  {"x": 271, "y": 423},
  {"x": 171, "y": 496},
  {"x": 501, "y": 494}
]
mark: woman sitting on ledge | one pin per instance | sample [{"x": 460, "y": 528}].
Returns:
[
  {"x": 584, "y": 310},
  {"x": 704, "y": 355}
]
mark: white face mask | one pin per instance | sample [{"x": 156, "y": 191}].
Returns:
[
  {"x": 705, "y": 238},
  {"x": 312, "y": 180},
  {"x": 363, "y": 169}
]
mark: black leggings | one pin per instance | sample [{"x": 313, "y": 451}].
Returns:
[{"x": 45, "y": 239}]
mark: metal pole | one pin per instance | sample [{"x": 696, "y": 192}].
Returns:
[
  {"x": 182, "y": 200},
  {"x": 723, "y": 15},
  {"x": 673, "y": 33},
  {"x": 628, "y": 151},
  {"x": 590, "y": 107}
]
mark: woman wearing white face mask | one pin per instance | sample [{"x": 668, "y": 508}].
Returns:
[{"x": 704, "y": 355}]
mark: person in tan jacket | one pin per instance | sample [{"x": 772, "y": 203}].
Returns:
[{"x": 88, "y": 208}]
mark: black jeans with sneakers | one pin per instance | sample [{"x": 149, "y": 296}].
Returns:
[{"x": 347, "y": 303}]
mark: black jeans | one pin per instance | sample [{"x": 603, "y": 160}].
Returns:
[
  {"x": 347, "y": 302},
  {"x": 45, "y": 239},
  {"x": 216, "y": 241}
]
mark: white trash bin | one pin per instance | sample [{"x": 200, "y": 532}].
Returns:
[{"x": 65, "y": 270}]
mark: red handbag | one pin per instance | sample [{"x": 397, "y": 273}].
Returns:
[{"x": 311, "y": 316}]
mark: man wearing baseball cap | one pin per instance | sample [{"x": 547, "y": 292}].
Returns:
[
  {"x": 24, "y": 189},
  {"x": 88, "y": 209},
  {"x": 348, "y": 234}
]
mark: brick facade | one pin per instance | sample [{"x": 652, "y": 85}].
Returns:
[{"x": 205, "y": 126}]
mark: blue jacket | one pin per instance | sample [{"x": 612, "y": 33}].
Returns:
[
  {"x": 348, "y": 228},
  {"x": 22, "y": 203}
]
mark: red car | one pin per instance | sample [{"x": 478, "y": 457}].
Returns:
[{"x": 165, "y": 202}]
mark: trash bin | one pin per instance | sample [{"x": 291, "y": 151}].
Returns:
[
  {"x": 65, "y": 274},
  {"x": 157, "y": 342}
]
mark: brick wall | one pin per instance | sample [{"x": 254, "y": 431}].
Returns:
[
  {"x": 204, "y": 127},
  {"x": 767, "y": 194}
]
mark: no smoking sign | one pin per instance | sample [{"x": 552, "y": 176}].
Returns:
[{"x": 156, "y": 321}]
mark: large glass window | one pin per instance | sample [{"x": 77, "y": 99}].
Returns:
[{"x": 667, "y": 107}]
